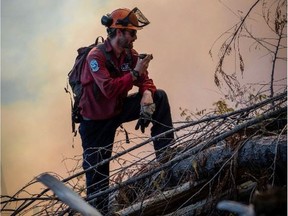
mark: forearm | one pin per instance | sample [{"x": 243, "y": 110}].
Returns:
[{"x": 147, "y": 98}]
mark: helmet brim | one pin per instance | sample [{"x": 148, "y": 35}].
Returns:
[{"x": 126, "y": 27}]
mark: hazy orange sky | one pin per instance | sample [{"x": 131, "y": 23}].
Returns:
[{"x": 39, "y": 43}]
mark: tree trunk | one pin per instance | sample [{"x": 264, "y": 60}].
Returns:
[{"x": 215, "y": 169}]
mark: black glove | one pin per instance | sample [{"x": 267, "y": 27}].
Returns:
[{"x": 145, "y": 118}]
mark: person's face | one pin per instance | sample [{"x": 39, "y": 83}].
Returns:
[{"x": 128, "y": 36}]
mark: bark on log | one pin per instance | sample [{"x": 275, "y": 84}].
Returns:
[
  {"x": 153, "y": 206},
  {"x": 197, "y": 208},
  {"x": 257, "y": 153}
]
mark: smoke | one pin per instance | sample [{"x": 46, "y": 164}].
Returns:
[{"x": 39, "y": 43}]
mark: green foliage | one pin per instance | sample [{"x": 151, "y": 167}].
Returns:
[
  {"x": 189, "y": 116},
  {"x": 245, "y": 97},
  {"x": 221, "y": 107}
]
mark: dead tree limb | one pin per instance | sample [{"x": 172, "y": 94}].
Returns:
[{"x": 258, "y": 152}]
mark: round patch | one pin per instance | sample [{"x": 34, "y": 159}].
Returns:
[{"x": 94, "y": 65}]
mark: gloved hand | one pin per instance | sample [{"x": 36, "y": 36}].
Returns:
[{"x": 145, "y": 118}]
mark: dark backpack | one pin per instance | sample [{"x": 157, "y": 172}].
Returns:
[
  {"x": 74, "y": 77},
  {"x": 74, "y": 80}
]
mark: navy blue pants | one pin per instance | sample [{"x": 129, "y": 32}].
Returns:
[{"x": 98, "y": 137}]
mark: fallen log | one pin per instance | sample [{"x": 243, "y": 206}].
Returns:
[
  {"x": 206, "y": 171},
  {"x": 157, "y": 202},
  {"x": 196, "y": 209},
  {"x": 258, "y": 152},
  {"x": 153, "y": 206}
]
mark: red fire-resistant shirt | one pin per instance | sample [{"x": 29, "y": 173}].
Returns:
[{"x": 106, "y": 101}]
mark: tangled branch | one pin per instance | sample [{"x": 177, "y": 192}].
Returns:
[
  {"x": 139, "y": 184},
  {"x": 275, "y": 17}
]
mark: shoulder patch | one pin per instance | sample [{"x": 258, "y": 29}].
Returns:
[{"x": 94, "y": 65}]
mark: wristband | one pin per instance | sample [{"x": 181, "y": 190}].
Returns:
[{"x": 135, "y": 74}]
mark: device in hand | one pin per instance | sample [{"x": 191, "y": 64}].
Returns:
[{"x": 142, "y": 56}]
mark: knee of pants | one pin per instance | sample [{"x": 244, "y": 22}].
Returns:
[
  {"x": 89, "y": 161},
  {"x": 92, "y": 157},
  {"x": 162, "y": 102},
  {"x": 160, "y": 95}
]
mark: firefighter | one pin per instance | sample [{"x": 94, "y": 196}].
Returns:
[{"x": 109, "y": 73}]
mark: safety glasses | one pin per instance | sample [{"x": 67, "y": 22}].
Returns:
[{"x": 131, "y": 32}]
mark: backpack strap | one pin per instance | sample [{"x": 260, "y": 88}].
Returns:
[
  {"x": 129, "y": 58},
  {"x": 97, "y": 40},
  {"x": 113, "y": 70},
  {"x": 102, "y": 48}
]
